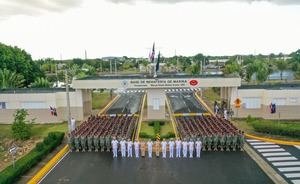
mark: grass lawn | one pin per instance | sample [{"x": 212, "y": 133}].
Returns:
[
  {"x": 99, "y": 100},
  {"x": 167, "y": 128},
  {"x": 211, "y": 95},
  {"x": 38, "y": 130},
  {"x": 147, "y": 129}
]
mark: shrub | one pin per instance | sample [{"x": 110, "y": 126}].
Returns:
[
  {"x": 21, "y": 128},
  {"x": 151, "y": 123},
  {"x": 156, "y": 127},
  {"x": 10, "y": 174},
  {"x": 169, "y": 135},
  {"x": 277, "y": 128},
  {"x": 146, "y": 136}
]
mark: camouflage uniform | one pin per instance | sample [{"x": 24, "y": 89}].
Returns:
[
  {"x": 83, "y": 143},
  {"x": 96, "y": 141},
  {"x": 71, "y": 142},
  {"x": 77, "y": 143},
  {"x": 108, "y": 143},
  {"x": 222, "y": 142},
  {"x": 90, "y": 143},
  {"x": 102, "y": 143},
  {"x": 234, "y": 141},
  {"x": 241, "y": 141},
  {"x": 204, "y": 142},
  {"x": 228, "y": 142},
  {"x": 216, "y": 142},
  {"x": 209, "y": 142}
]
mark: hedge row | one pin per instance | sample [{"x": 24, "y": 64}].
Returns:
[
  {"x": 276, "y": 128},
  {"x": 169, "y": 135},
  {"x": 10, "y": 174}
]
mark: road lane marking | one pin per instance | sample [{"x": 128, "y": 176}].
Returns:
[
  {"x": 298, "y": 147},
  {"x": 270, "y": 150},
  {"x": 267, "y": 146},
  {"x": 261, "y": 143},
  {"x": 275, "y": 154},
  {"x": 292, "y": 175},
  {"x": 286, "y": 163},
  {"x": 280, "y": 158},
  {"x": 253, "y": 140},
  {"x": 289, "y": 169}
]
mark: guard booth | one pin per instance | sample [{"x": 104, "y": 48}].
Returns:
[{"x": 157, "y": 87}]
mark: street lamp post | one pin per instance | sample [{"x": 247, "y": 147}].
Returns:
[{"x": 68, "y": 101}]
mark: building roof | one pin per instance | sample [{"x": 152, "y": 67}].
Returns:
[
  {"x": 276, "y": 86},
  {"x": 147, "y": 76},
  {"x": 33, "y": 90}
]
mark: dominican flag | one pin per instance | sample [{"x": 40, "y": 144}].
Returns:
[
  {"x": 273, "y": 108},
  {"x": 152, "y": 53},
  {"x": 53, "y": 111},
  {"x": 157, "y": 63}
]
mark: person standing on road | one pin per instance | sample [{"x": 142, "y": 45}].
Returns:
[
  {"x": 136, "y": 148},
  {"x": 198, "y": 148},
  {"x": 157, "y": 147},
  {"x": 164, "y": 148},
  {"x": 184, "y": 148},
  {"x": 178, "y": 148},
  {"x": 171, "y": 148},
  {"x": 129, "y": 148},
  {"x": 191, "y": 148},
  {"x": 114, "y": 144},
  {"x": 149, "y": 144},
  {"x": 123, "y": 148},
  {"x": 143, "y": 148},
  {"x": 73, "y": 124}
]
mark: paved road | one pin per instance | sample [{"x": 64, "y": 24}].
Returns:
[
  {"x": 185, "y": 102},
  {"x": 128, "y": 103},
  {"x": 284, "y": 159},
  {"x": 212, "y": 168}
]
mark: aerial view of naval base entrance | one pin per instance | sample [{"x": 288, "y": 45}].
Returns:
[{"x": 149, "y": 92}]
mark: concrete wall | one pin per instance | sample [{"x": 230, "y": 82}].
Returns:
[
  {"x": 43, "y": 115},
  {"x": 156, "y": 94},
  {"x": 290, "y": 110}
]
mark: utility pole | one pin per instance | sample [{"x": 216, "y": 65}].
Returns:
[
  {"x": 110, "y": 69},
  {"x": 85, "y": 54},
  {"x": 68, "y": 101},
  {"x": 115, "y": 66}
]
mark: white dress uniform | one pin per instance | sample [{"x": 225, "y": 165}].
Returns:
[
  {"x": 184, "y": 148},
  {"x": 191, "y": 148},
  {"x": 129, "y": 148},
  {"x": 171, "y": 148},
  {"x": 178, "y": 148},
  {"x": 198, "y": 148},
  {"x": 225, "y": 114},
  {"x": 149, "y": 144},
  {"x": 123, "y": 148},
  {"x": 114, "y": 144},
  {"x": 136, "y": 149},
  {"x": 164, "y": 149}
]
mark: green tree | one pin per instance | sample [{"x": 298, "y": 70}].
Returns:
[
  {"x": 40, "y": 83},
  {"x": 295, "y": 60},
  {"x": 234, "y": 67},
  {"x": 194, "y": 69},
  {"x": 9, "y": 79},
  {"x": 262, "y": 71},
  {"x": 19, "y": 61},
  {"x": 297, "y": 74},
  {"x": 21, "y": 128},
  {"x": 281, "y": 65}
]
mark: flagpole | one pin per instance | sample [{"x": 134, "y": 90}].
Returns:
[{"x": 68, "y": 101}]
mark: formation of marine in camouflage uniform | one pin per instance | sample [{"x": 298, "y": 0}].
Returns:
[
  {"x": 96, "y": 133},
  {"x": 215, "y": 133}
]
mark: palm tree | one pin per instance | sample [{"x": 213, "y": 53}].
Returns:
[
  {"x": 40, "y": 83},
  {"x": 10, "y": 79},
  {"x": 281, "y": 66}
]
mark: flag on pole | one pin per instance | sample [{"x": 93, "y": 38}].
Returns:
[
  {"x": 157, "y": 63},
  {"x": 152, "y": 54}
]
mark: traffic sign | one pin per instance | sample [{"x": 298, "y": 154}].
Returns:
[{"x": 237, "y": 103}]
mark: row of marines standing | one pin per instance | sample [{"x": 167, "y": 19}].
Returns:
[{"x": 220, "y": 141}]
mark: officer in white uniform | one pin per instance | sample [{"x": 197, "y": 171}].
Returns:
[
  {"x": 178, "y": 148},
  {"x": 198, "y": 148},
  {"x": 136, "y": 149},
  {"x": 114, "y": 144},
  {"x": 129, "y": 148},
  {"x": 184, "y": 148},
  {"x": 123, "y": 148},
  {"x": 164, "y": 148},
  {"x": 191, "y": 148},
  {"x": 171, "y": 148},
  {"x": 149, "y": 145}
]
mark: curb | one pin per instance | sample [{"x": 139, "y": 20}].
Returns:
[
  {"x": 291, "y": 143},
  {"x": 41, "y": 173},
  {"x": 108, "y": 105},
  {"x": 204, "y": 104},
  {"x": 136, "y": 134}
]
